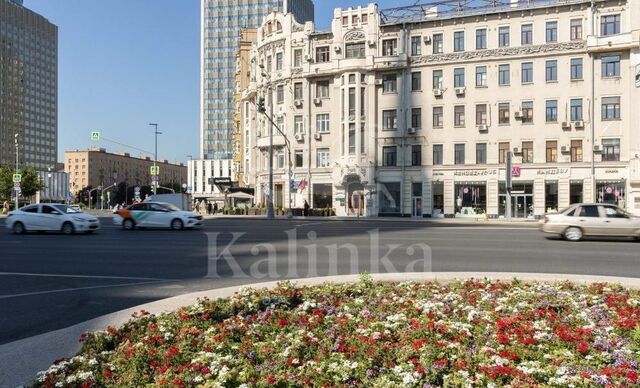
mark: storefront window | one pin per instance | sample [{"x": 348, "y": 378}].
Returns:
[
  {"x": 471, "y": 199},
  {"x": 551, "y": 197},
  {"x": 611, "y": 192},
  {"x": 322, "y": 196},
  {"x": 437, "y": 191},
  {"x": 389, "y": 197},
  {"x": 576, "y": 192},
  {"x": 521, "y": 200}
]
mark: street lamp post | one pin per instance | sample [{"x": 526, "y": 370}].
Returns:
[
  {"x": 17, "y": 162},
  {"x": 155, "y": 156}
]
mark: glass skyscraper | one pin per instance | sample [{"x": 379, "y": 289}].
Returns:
[
  {"x": 222, "y": 21},
  {"x": 28, "y": 86}
]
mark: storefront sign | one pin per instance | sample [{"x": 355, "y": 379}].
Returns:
[
  {"x": 489, "y": 172},
  {"x": 516, "y": 171},
  {"x": 553, "y": 171}
]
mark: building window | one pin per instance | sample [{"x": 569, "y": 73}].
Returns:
[
  {"x": 576, "y": 29},
  {"x": 390, "y": 119},
  {"x": 458, "y": 77},
  {"x": 552, "y": 151},
  {"x": 416, "y": 81},
  {"x": 503, "y": 148},
  {"x": 458, "y": 41},
  {"x": 504, "y": 113},
  {"x": 364, "y": 18},
  {"x": 481, "y": 153},
  {"x": 278, "y": 61},
  {"x": 297, "y": 58},
  {"x": 437, "y": 79},
  {"x": 354, "y": 50},
  {"x": 322, "y": 157},
  {"x": 610, "y": 25},
  {"x": 322, "y": 54},
  {"x": 389, "y": 83},
  {"x": 551, "y": 111},
  {"x": 527, "y": 112},
  {"x": 458, "y": 116},
  {"x": 299, "y": 158},
  {"x": 438, "y": 117},
  {"x": 352, "y": 138},
  {"x": 416, "y": 45},
  {"x": 576, "y": 69},
  {"x": 526, "y": 34},
  {"x": 280, "y": 94},
  {"x": 416, "y": 118},
  {"x": 297, "y": 91},
  {"x": 504, "y": 78},
  {"x": 352, "y": 103},
  {"x": 389, "y": 47},
  {"x": 362, "y": 101},
  {"x": 481, "y": 76},
  {"x": 416, "y": 155},
  {"x": 298, "y": 124},
  {"x": 576, "y": 109},
  {"x": 438, "y": 43},
  {"x": 389, "y": 154},
  {"x": 389, "y": 203},
  {"x": 552, "y": 32},
  {"x": 503, "y": 36},
  {"x": 481, "y": 114},
  {"x": 610, "y": 150},
  {"x": 322, "y": 123},
  {"x": 481, "y": 39},
  {"x": 322, "y": 89},
  {"x": 526, "y": 73},
  {"x": 269, "y": 64},
  {"x": 322, "y": 195},
  {"x": 437, "y": 154},
  {"x": 551, "y": 196},
  {"x": 527, "y": 152},
  {"x": 610, "y": 66},
  {"x": 459, "y": 153},
  {"x": 279, "y": 160},
  {"x": 611, "y": 108},
  {"x": 551, "y": 71},
  {"x": 576, "y": 150}
]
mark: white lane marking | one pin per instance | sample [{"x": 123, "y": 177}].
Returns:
[
  {"x": 53, "y": 275},
  {"x": 77, "y": 289}
]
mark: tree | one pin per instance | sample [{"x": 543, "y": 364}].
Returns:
[{"x": 30, "y": 184}]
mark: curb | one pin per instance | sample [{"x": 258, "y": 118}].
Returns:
[
  {"x": 467, "y": 221},
  {"x": 21, "y": 360}
]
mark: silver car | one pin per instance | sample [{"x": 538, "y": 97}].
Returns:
[{"x": 591, "y": 219}]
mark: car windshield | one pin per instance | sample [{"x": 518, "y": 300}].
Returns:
[{"x": 66, "y": 209}]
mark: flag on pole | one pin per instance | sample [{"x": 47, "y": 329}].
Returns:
[{"x": 302, "y": 185}]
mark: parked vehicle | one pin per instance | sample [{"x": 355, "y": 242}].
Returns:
[
  {"x": 156, "y": 215},
  {"x": 587, "y": 219},
  {"x": 51, "y": 217}
]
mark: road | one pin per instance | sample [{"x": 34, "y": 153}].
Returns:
[{"x": 51, "y": 281}]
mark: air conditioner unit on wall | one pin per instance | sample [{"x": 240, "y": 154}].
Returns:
[
  {"x": 297, "y": 103},
  {"x": 427, "y": 39},
  {"x": 566, "y": 125},
  {"x": 596, "y": 148},
  {"x": 483, "y": 128},
  {"x": 317, "y": 101},
  {"x": 579, "y": 124},
  {"x": 378, "y": 81},
  {"x": 371, "y": 42},
  {"x": 438, "y": 92},
  {"x": 299, "y": 136},
  {"x": 317, "y": 136},
  {"x": 516, "y": 151},
  {"x": 564, "y": 149},
  {"x": 337, "y": 48},
  {"x": 460, "y": 91},
  {"x": 411, "y": 131},
  {"x": 517, "y": 115}
]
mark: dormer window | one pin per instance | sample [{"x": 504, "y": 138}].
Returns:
[{"x": 278, "y": 27}]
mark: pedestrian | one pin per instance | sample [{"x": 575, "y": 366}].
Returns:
[
  {"x": 215, "y": 208},
  {"x": 305, "y": 211},
  {"x": 5, "y": 207},
  {"x": 209, "y": 208}
]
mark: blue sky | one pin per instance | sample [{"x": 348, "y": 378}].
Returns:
[{"x": 126, "y": 63}]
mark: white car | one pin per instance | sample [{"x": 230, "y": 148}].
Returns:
[
  {"x": 156, "y": 215},
  {"x": 591, "y": 219},
  {"x": 50, "y": 217}
]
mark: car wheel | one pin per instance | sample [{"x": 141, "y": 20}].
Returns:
[
  {"x": 18, "y": 228},
  {"x": 128, "y": 224},
  {"x": 177, "y": 224},
  {"x": 67, "y": 228},
  {"x": 573, "y": 233}
]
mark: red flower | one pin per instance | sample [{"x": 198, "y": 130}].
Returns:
[
  {"x": 583, "y": 347},
  {"x": 271, "y": 379},
  {"x": 282, "y": 322},
  {"x": 107, "y": 374}
]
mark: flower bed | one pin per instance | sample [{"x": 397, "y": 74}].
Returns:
[{"x": 467, "y": 333}]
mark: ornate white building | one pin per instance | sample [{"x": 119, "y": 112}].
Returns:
[{"x": 411, "y": 111}]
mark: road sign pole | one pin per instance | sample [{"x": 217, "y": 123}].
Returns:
[
  {"x": 17, "y": 192},
  {"x": 508, "y": 185}
]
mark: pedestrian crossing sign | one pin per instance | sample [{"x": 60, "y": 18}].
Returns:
[
  {"x": 155, "y": 170},
  {"x": 95, "y": 136},
  {"x": 17, "y": 178}
]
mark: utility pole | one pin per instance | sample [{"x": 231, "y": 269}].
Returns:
[
  {"x": 155, "y": 157},
  {"x": 17, "y": 166},
  {"x": 508, "y": 186}
]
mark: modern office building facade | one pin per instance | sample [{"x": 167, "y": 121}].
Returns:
[
  {"x": 412, "y": 111},
  {"x": 28, "y": 87},
  {"x": 97, "y": 167},
  {"x": 222, "y": 22}
]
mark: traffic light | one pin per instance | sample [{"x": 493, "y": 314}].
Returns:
[{"x": 261, "y": 107}]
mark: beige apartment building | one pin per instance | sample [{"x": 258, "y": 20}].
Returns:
[
  {"x": 97, "y": 167},
  {"x": 412, "y": 111}
]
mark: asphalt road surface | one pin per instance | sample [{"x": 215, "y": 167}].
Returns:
[{"x": 51, "y": 281}]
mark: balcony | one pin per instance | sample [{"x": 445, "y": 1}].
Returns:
[{"x": 624, "y": 41}]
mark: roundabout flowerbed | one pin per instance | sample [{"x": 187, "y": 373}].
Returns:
[{"x": 458, "y": 334}]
